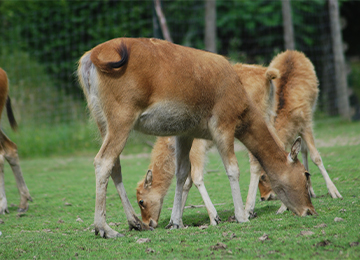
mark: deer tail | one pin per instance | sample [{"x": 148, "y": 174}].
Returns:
[
  {"x": 10, "y": 114},
  {"x": 107, "y": 66},
  {"x": 272, "y": 73}
]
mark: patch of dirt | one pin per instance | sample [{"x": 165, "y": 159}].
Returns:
[
  {"x": 218, "y": 246},
  {"x": 149, "y": 250},
  {"x": 306, "y": 233},
  {"x": 264, "y": 237},
  {"x": 354, "y": 244},
  {"x": 323, "y": 243},
  {"x": 338, "y": 219},
  {"x": 143, "y": 240},
  {"x": 323, "y": 225}
]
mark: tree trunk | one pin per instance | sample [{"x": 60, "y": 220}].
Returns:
[
  {"x": 163, "y": 24},
  {"x": 340, "y": 71},
  {"x": 289, "y": 39},
  {"x": 210, "y": 25}
]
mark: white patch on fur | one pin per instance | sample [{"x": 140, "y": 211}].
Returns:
[{"x": 89, "y": 81}]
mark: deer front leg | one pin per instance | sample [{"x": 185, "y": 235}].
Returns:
[
  {"x": 183, "y": 167},
  {"x": 186, "y": 189},
  {"x": 225, "y": 145},
  {"x": 197, "y": 158},
  {"x": 255, "y": 172},
  {"x": 316, "y": 158},
  {"x": 3, "y": 201},
  {"x": 133, "y": 220}
]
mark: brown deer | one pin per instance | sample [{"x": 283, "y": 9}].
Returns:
[
  {"x": 152, "y": 189},
  {"x": 297, "y": 93},
  {"x": 302, "y": 74},
  {"x": 165, "y": 89},
  {"x": 8, "y": 152}
]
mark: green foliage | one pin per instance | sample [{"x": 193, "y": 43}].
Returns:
[
  {"x": 57, "y": 33},
  {"x": 354, "y": 77},
  {"x": 50, "y": 228}
]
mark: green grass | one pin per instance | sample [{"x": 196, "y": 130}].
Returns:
[
  {"x": 50, "y": 230},
  {"x": 77, "y": 138}
]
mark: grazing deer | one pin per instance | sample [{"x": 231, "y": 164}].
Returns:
[
  {"x": 297, "y": 93},
  {"x": 164, "y": 89},
  {"x": 8, "y": 152},
  {"x": 152, "y": 189}
]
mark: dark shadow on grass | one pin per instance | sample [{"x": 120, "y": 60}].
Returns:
[{"x": 193, "y": 218}]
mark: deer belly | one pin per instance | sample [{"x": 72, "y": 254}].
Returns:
[{"x": 167, "y": 119}]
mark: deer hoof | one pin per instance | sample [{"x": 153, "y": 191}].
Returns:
[
  {"x": 252, "y": 215},
  {"x": 217, "y": 219},
  {"x": 138, "y": 225},
  {"x": 172, "y": 225},
  {"x": 3, "y": 211},
  {"x": 108, "y": 233}
]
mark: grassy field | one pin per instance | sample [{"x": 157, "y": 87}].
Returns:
[{"x": 58, "y": 224}]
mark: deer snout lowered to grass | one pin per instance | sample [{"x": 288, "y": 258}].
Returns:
[
  {"x": 8, "y": 152},
  {"x": 165, "y": 89}
]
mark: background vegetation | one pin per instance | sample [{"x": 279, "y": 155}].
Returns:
[{"x": 42, "y": 41}]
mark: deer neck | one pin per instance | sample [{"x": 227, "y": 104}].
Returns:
[
  {"x": 163, "y": 164},
  {"x": 263, "y": 144}
]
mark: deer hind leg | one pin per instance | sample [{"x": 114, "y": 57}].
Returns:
[
  {"x": 107, "y": 164},
  {"x": 304, "y": 153},
  {"x": 316, "y": 158},
  {"x": 11, "y": 155},
  {"x": 183, "y": 167},
  {"x": 3, "y": 201}
]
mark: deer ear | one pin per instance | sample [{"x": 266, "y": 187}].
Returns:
[
  {"x": 148, "y": 179},
  {"x": 295, "y": 149}
]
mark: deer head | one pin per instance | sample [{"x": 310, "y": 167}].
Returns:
[
  {"x": 149, "y": 200},
  {"x": 290, "y": 187}
]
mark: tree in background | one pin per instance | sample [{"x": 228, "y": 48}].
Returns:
[{"x": 57, "y": 33}]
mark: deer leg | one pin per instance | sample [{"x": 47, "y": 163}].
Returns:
[
  {"x": 316, "y": 158},
  {"x": 304, "y": 153},
  {"x": 186, "y": 189},
  {"x": 106, "y": 165},
  {"x": 197, "y": 177},
  {"x": 3, "y": 201},
  {"x": 11, "y": 155},
  {"x": 133, "y": 220},
  {"x": 183, "y": 167},
  {"x": 255, "y": 172},
  {"x": 225, "y": 145},
  {"x": 197, "y": 159}
]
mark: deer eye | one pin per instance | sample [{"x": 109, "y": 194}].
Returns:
[{"x": 141, "y": 202}]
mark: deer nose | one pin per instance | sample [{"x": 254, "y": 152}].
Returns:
[
  {"x": 309, "y": 211},
  {"x": 262, "y": 199},
  {"x": 153, "y": 223}
]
